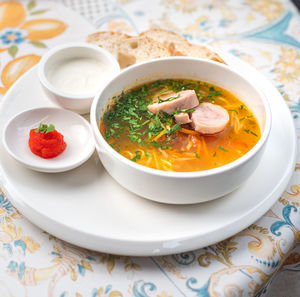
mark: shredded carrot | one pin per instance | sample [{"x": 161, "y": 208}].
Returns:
[
  {"x": 187, "y": 131},
  {"x": 160, "y": 134},
  {"x": 204, "y": 146},
  {"x": 199, "y": 149}
]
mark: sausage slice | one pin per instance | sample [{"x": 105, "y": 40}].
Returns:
[{"x": 209, "y": 118}]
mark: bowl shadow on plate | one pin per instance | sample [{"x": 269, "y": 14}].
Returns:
[
  {"x": 93, "y": 170},
  {"x": 121, "y": 201}
]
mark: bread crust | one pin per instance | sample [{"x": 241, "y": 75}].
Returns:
[
  {"x": 179, "y": 46},
  {"x": 150, "y": 44},
  {"x": 138, "y": 49},
  {"x": 108, "y": 40},
  {"x": 171, "y": 40}
]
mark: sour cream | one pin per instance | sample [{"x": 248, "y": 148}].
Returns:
[{"x": 79, "y": 76}]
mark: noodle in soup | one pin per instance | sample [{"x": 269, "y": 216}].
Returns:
[{"x": 158, "y": 139}]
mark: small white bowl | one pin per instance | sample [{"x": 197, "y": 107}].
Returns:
[
  {"x": 77, "y": 135},
  {"x": 182, "y": 187},
  {"x": 59, "y": 54}
]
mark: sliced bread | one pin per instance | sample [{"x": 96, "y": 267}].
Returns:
[
  {"x": 179, "y": 46},
  {"x": 174, "y": 42},
  {"x": 108, "y": 40},
  {"x": 200, "y": 51},
  {"x": 137, "y": 49}
]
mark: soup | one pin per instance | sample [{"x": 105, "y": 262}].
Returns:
[{"x": 179, "y": 125}]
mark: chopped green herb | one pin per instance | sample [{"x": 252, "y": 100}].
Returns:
[
  {"x": 214, "y": 92},
  {"x": 199, "y": 95},
  {"x": 248, "y": 131},
  {"x": 172, "y": 130},
  {"x": 197, "y": 156},
  {"x": 44, "y": 128},
  {"x": 167, "y": 99},
  {"x": 184, "y": 111},
  {"x": 221, "y": 148},
  {"x": 163, "y": 147},
  {"x": 247, "y": 117},
  {"x": 234, "y": 111},
  {"x": 128, "y": 117},
  {"x": 137, "y": 156},
  {"x": 116, "y": 147}
]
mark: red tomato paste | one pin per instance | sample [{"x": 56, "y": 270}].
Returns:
[{"x": 46, "y": 145}]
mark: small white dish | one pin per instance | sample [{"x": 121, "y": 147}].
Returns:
[
  {"x": 80, "y": 74},
  {"x": 77, "y": 135}
]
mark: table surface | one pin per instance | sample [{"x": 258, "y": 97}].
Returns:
[{"x": 255, "y": 262}]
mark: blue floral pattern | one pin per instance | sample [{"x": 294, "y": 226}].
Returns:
[{"x": 10, "y": 37}]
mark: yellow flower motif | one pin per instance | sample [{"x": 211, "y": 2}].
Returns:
[
  {"x": 15, "y": 68},
  {"x": 287, "y": 68},
  {"x": 101, "y": 293},
  {"x": 15, "y": 30},
  {"x": 13, "y": 15},
  {"x": 187, "y": 6},
  {"x": 12, "y": 234},
  {"x": 31, "y": 245},
  {"x": 43, "y": 29},
  {"x": 121, "y": 26},
  {"x": 270, "y": 9}
]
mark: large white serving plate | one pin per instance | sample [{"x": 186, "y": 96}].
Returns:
[{"x": 87, "y": 207}]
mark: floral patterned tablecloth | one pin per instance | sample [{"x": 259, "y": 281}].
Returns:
[{"x": 255, "y": 262}]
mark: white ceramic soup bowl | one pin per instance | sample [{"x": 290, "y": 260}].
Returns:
[
  {"x": 73, "y": 52},
  {"x": 181, "y": 187}
]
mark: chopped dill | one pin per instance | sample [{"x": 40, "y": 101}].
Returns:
[
  {"x": 222, "y": 149},
  {"x": 137, "y": 156},
  {"x": 234, "y": 111}
]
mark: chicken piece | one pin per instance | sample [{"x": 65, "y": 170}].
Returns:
[
  {"x": 183, "y": 100},
  {"x": 182, "y": 118}
]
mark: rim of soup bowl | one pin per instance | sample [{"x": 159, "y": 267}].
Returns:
[{"x": 193, "y": 174}]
